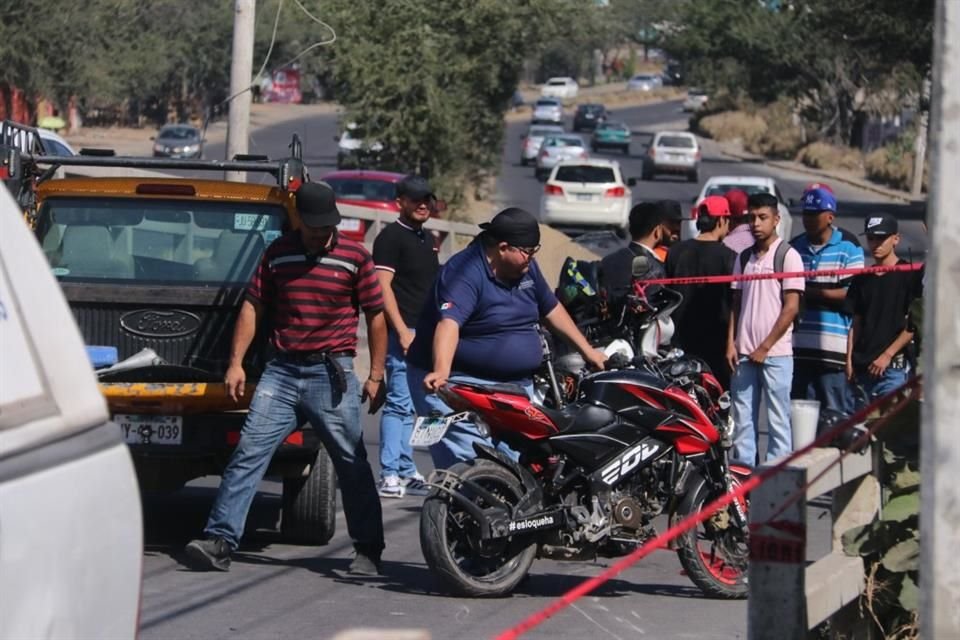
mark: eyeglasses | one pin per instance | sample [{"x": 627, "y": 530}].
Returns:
[{"x": 527, "y": 251}]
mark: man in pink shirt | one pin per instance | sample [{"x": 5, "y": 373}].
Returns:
[
  {"x": 740, "y": 236},
  {"x": 760, "y": 338}
]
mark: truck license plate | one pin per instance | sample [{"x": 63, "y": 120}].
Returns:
[{"x": 150, "y": 429}]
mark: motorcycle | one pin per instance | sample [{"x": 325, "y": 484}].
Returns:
[{"x": 649, "y": 436}]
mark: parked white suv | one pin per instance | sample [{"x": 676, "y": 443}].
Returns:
[
  {"x": 719, "y": 185},
  {"x": 71, "y": 535},
  {"x": 590, "y": 193},
  {"x": 562, "y": 88}
]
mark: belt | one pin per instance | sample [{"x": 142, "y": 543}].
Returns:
[{"x": 328, "y": 358}]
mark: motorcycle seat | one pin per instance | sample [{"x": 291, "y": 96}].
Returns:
[
  {"x": 580, "y": 418},
  {"x": 500, "y": 387}
]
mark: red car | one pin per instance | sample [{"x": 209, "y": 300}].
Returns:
[{"x": 370, "y": 189}]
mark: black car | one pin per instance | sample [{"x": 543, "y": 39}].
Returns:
[
  {"x": 673, "y": 74},
  {"x": 588, "y": 116},
  {"x": 178, "y": 141}
]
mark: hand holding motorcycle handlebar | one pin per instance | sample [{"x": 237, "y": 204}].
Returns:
[{"x": 595, "y": 359}]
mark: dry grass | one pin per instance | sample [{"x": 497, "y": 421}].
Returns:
[
  {"x": 734, "y": 126},
  {"x": 769, "y": 131},
  {"x": 890, "y": 167},
  {"x": 822, "y": 155}
]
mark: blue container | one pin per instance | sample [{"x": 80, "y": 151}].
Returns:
[{"x": 101, "y": 357}]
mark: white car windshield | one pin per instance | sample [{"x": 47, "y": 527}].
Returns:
[
  {"x": 749, "y": 189},
  {"x": 563, "y": 142},
  {"x": 676, "y": 142},
  {"x": 585, "y": 173}
]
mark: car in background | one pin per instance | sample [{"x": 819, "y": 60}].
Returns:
[
  {"x": 644, "y": 82},
  {"x": 673, "y": 152},
  {"x": 591, "y": 193},
  {"x": 696, "y": 99},
  {"x": 370, "y": 190},
  {"x": 353, "y": 152},
  {"x": 611, "y": 135},
  {"x": 557, "y": 148},
  {"x": 588, "y": 116},
  {"x": 54, "y": 145},
  {"x": 719, "y": 185},
  {"x": 530, "y": 146},
  {"x": 178, "y": 141},
  {"x": 673, "y": 74},
  {"x": 564, "y": 88},
  {"x": 548, "y": 110},
  {"x": 71, "y": 541}
]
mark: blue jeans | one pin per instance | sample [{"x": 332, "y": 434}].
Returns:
[
  {"x": 772, "y": 379},
  {"x": 288, "y": 394},
  {"x": 870, "y": 388},
  {"x": 457, "y": 443},
  {"x": 396, "y": 421},
  {"x": 812, "y": 381}
]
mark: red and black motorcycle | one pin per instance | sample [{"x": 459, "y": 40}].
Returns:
[{"x": 646, "y": 439}]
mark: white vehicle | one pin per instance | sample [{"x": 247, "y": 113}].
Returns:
[
  {"x": 719, "y": 185},
  {"x": 696, "y": 99},
  {"x": 54, "y": 145},
  {"x": 556, "y": 148},
  {"x": 71, "y": 535},
  {"x": 644, "y": 82},
  {"x": 548, "y": 110},
  {"x": 587, "y": 194},
  {"x": 352, "y": 151},
  {"x": 673, "y": 152},
  {"x": 534, "y": 138},
  {"x": 562, "y": 88}
]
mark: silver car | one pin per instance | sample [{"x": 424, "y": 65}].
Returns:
[
  {"x": 530, "y": 146},
  {"x": 557, "y": 148},
  {"x": 548, "y": 110},
  {"x": 673, "y": 152},
  {"x": 645, "y": 82}
]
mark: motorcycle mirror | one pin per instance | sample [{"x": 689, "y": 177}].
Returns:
[{"x": 640, "y": 266}]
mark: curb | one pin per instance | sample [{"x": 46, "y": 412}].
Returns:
[{"x": 893, "y": 194}]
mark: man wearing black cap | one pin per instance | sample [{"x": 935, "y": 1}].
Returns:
[
  {"x": 480, "y": 322},
  {"x": 652, "y": 225},
  {"x": 879, "y": 346},
  {"x": 310, "y": 286},
  {"x": 406, "y": 259}
]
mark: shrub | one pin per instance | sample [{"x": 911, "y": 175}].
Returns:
[
  {"x": 730, "y": 126},
  {"x": 890, "y": 165},
  {"x": 822, "y": 155},
  {"x": 783, "y": 136}
]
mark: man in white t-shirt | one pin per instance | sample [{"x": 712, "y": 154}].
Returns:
[{"x": 760, "y": 338}]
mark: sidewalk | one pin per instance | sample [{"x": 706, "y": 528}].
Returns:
[{"x": 735, "y": 150}]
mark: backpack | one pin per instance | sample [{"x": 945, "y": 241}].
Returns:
[{"x": 779, "y": 257}]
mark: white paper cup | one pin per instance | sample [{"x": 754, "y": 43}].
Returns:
[{"x": 804, "y": 416}]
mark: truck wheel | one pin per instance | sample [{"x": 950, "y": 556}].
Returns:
[{"x": 309, "y": 508}]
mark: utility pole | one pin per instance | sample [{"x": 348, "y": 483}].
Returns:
[
  {"x": 241, "y": 75},
  {"x": 920, "y": 144},
  {"x": 940, "y": 446}
]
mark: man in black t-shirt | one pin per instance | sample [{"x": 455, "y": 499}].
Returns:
[
  {"x": 652, "y": 225},
  {"x": 701, "y": 319},
  {"x": 878, "y": 349},
  {"x": 407, "y": 264}
]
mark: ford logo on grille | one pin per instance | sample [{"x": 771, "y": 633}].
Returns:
[{"x": 154, "y": 323}]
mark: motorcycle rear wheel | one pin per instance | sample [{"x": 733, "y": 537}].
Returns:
[
  {"x": 714, "y": 556},
  {"x": 450, "y": 537}
]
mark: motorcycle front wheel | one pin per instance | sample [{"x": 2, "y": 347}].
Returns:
[
  {"x": 450, "y": 537},
  {"x": 715, "y": 553}
]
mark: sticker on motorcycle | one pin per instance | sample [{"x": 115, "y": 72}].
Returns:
[
  {"x": 627, "y": 462},
  {"x": 428, "y": 430}
]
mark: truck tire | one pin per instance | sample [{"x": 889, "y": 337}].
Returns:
[{"x": 309, "y": 510}]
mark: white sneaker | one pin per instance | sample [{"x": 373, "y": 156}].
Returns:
[
  {"x": 415, "y": 486},
  {"x": 390, "y": 487}
]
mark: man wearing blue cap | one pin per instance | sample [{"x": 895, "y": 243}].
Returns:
[{"x": 820, "y": 338}]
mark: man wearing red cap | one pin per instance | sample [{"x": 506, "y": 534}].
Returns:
[
  {"x": 702, "y": 317},
  {"x": 740, "y": 237}
]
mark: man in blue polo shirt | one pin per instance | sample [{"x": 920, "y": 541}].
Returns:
[
  {"x": 480, "y": 323},
  {"x": 820, "y": 339}
]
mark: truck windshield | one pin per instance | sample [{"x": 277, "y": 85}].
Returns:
[{"x": 168, "y": 241}]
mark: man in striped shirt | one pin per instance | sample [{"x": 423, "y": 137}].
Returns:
[
  {"x": 310, "y": 286},
  {"x": 820, "y": 339}
]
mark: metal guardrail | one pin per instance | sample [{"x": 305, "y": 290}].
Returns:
[{"x": 787, "y": 597}]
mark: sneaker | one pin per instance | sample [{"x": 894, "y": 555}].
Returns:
[
  {"x": 209, "y": 554},
  {"x": 415, "y": 486},
  {"x": 390, "y": 487},
  {"x": 364, "y": 565}
]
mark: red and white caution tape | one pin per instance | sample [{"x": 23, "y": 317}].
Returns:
[{"x": 829, "y": 273}]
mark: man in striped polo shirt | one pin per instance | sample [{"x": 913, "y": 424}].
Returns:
[
  {"x": 820, "y": 339},
  {"x": 310, "y": 286}
]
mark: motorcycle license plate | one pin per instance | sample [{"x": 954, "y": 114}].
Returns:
[{"x": 428, "y": 430}]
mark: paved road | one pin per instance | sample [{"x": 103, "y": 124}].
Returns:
[{"x": 280, "y": 591}]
